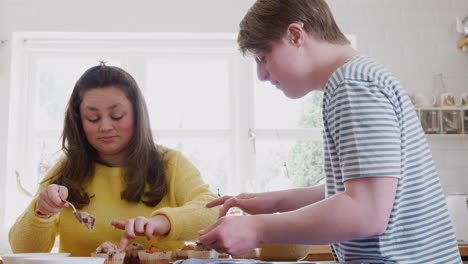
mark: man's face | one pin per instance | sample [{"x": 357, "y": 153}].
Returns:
[{"x": 283, "y": 67}]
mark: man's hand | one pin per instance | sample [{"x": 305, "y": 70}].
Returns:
[
  {"x": 251, "y": 203},
  {"x": 225, "y": 235}
]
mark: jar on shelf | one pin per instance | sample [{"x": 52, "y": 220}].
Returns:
[
  {"x": 465, "y": 121},
  {"x": 438, "y": 88},
  {"x": 451, "y": 122},
  {"x": 430, "y": 121}
]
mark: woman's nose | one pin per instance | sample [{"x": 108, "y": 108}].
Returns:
[
  {"x": 105, "y": 125},
  {"x": 262, "y": 73}
]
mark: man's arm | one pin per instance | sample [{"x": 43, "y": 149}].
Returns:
[{"x": 363, "y": 210}]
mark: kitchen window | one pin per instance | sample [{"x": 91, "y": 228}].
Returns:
[{"x": 203, "y": 98}]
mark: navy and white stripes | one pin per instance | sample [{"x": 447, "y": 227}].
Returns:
[{"x": 370, "y": 130}]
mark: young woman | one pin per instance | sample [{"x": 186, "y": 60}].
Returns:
[{"x": 113, "y": 170}]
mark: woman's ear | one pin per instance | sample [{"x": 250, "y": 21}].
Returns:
[{"x": 295, "y": 34}]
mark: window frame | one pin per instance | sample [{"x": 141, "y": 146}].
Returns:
[{"x": 27, "y": 46}]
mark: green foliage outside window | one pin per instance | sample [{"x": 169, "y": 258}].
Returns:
[{"x": 305, "y": 159}]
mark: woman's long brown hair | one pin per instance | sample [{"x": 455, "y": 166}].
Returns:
[{"x": 146, "y": 166}]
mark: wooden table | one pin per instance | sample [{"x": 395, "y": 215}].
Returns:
[{"x": 323, "y": 252}]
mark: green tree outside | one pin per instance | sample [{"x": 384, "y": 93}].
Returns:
[{"x": 305, "y": 159}]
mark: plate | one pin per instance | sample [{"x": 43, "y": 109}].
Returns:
[
  {"x": 65, "y": 260},
  {"x": 20, "y": 257}
]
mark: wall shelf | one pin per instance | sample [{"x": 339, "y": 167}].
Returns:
[{"x": 446, "y": 121}]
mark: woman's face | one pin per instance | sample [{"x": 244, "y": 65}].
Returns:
[{"x": 107, "y": 117}]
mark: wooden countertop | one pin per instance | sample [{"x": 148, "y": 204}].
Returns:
[{"x": 323, "y": 252}]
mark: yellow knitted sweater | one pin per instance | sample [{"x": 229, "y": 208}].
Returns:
[{"x": 183, "y": 204}]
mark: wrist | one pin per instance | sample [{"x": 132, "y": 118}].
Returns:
[
  {"x": 260, "y": 228},
  {"x": 42, "y": 215},
  {"x": 280, "y": 201},
  {"x": 163, "y": 224}
]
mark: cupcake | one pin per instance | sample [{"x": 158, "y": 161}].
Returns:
[
  {"x": 110, "y": 252},
  {"x": 224, "y": 256},
  {"x": 131, "y": 253},
  {"x": 154, "y": 256},
  {"x": 202, "y": 252},
  {"x": 183, "y": 252}
]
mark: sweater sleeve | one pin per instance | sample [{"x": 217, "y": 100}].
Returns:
[
  {"x": 31, "y": 233},
  {"x": 191, "y": 194}
]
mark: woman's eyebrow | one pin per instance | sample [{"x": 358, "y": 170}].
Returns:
[{"x": 92, "y": 108}]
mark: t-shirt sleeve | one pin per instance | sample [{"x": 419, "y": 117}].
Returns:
[{"x": 365, "y": 131}]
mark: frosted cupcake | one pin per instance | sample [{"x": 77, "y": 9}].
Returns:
[
  {"x": 183, "y": 252},
  {"x": 110, "y": 252},
  {"x": 131, "y": 253},
  {"x": 154, "y": 256}
]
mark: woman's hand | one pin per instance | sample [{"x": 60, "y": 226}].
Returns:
[
  {"x": 50, "y": 202},
  {"x": 224, "y": 235},
  {"x": 157, "y": 225},
  {"x": 251, "y": 203}
]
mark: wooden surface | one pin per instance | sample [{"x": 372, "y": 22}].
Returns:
[
  {"x": 319, "y": 252},
  {"x": 463, "y": 250},
  {"x": 323, "y": 252}
]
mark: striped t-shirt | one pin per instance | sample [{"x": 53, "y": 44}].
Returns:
[{"x": 371, "y": 130}]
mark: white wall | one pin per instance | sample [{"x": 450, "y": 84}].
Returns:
[{"x": 414, "y": 38}]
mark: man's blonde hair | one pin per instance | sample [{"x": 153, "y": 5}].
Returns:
[{"x": 267, "y": 21}]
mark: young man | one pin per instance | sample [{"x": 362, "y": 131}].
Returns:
[{"x": 382, "y": 201}]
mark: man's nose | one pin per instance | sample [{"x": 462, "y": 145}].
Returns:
[{"x": 262, "y": 73}]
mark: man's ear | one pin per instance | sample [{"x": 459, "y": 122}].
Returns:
[{"x": 295, "y": 34}]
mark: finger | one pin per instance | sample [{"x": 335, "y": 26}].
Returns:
[
  {"x": 217, "y": 201},
  {"x": 233, "y": 202},
  {"x": 149, "y": 230},
  {"x": 245, "y": 196},
  {"x": 139, "y": 226},
  {"x": 210, "y": 238},
  {"x": 118, "y": 224},
  {"x": 221, "y": 250},
  {"x": 129, "y": 229},
  {"x": 63, "y": 192},
  {"x": 123, "y": 242},
  {"x": 48, "y": 207},
  {"x": 53, "y": 196},
  {"x": 208, "y": 229}
]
